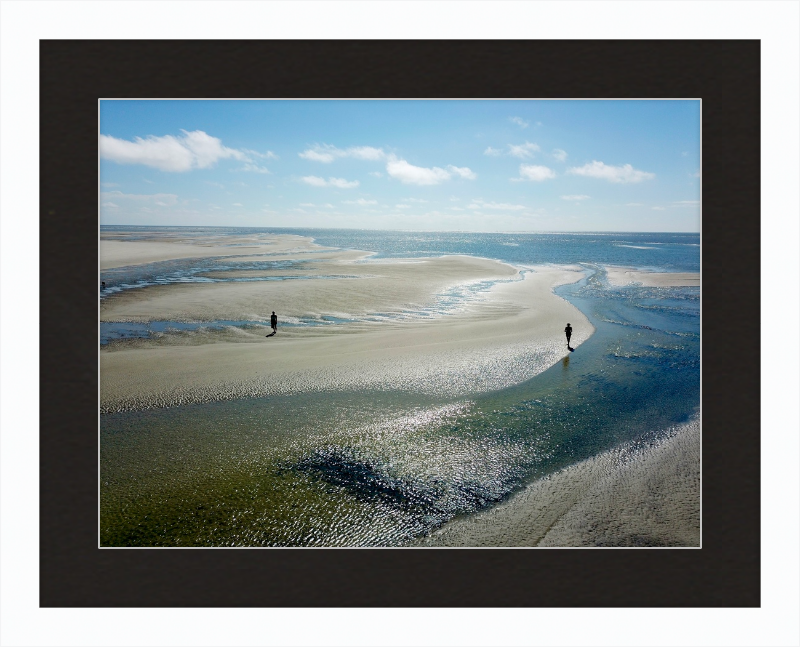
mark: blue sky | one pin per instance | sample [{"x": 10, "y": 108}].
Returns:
[{"x": 424, "y": 165}]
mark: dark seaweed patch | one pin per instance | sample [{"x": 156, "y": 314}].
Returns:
[
  {"x": 370, "y": 479},
  {"x": 366, "y": 479}
]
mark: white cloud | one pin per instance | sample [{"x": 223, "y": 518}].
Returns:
[
  {"x": 338, "y": 182},
  {"x": 634, "y": 204},
  {"x": 269, "y": 155},
  {"x": 619, "y": 174},
  {"x": 523, "y": 151},
  {"x": 306, "y": 204},
  {"x": 519, "y": 121},
  {"x": 463, "y": 172},
  {"x": 194, "y": 149},
  {"x": 317, "y": 156},
  {"x": 687, "y": 203},
  {"x": 535, "y": 173},
  {"x": 410, "y": 174},
  {"x": 502, "y": 206},
  {"x": 376, "y": 173},
  {"x": 254, "y": 168},
  {"x": 110, "y": 204},
  {"x": 109, "y": 185},
  {"x": 366, "y": 153},
  {"x": 574, "y": 197},
  {"x": 402, "y": 206},
  {"x": 360, "y": 201},
  {"x": 420, "y": 200},
  {"x": 326, "y": 153},
  {"x": 559, "y": 154},
  {"x": 341, "y": 183},
  {"x": 494, "y": 152}
]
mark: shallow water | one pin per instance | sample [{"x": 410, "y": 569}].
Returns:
[
  {"x": 382, "y": 468},
  {"x": 677, "y": 252}
]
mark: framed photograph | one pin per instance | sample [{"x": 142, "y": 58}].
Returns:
[{"x": 411, "y": 311}]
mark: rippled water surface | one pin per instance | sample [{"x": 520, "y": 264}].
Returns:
[{"x": 382, "y": 468}]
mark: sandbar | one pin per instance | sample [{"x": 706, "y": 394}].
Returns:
[
  {"x": 501, "y": 336},
  {"x": 116, "y": 251},
  {"x": 621, "y": 276},
  {"x": 641, "y": 494},
  {"x": 345, "y": 290}
]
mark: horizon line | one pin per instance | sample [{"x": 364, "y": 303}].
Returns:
[{"x": 432, "y": 231}]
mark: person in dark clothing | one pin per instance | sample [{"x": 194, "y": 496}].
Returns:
[
  {"x": 568, "y": 331},
  {"x": 273, "y": 321}
]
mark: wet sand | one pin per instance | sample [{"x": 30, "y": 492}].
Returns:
[
  {"x": 511, "y": 334},
  {"x": 621, "y": 276},
  {"x": 644, "y": 493},
  {"x": 504, "y": 336},
  {"x": 345, "y": 289}
]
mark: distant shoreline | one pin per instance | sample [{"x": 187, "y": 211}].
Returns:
[{"x": 421, "y": 231}]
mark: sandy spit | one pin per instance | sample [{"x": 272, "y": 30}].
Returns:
[
  {"x": 621, "y": 276},
  {"x": 513, "y": 333},
  {"x": 359, "y": 290},
  {"x": 120, "y": 253},
  {"x": 643, "y": 493}
]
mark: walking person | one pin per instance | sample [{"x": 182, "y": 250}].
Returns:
[
  {"x": 273, "y": 321},
  {"x": 568, "y": 331}
]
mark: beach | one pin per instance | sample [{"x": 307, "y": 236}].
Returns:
[{"x": 513, "y": 332}]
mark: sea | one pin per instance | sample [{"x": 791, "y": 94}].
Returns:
[{"x": 385, "y": 468}]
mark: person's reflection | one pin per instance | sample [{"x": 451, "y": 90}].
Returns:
[{"x": 565, "y": 363}]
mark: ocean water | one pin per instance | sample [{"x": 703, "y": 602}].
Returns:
[{"x": 384, "y": 468}]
